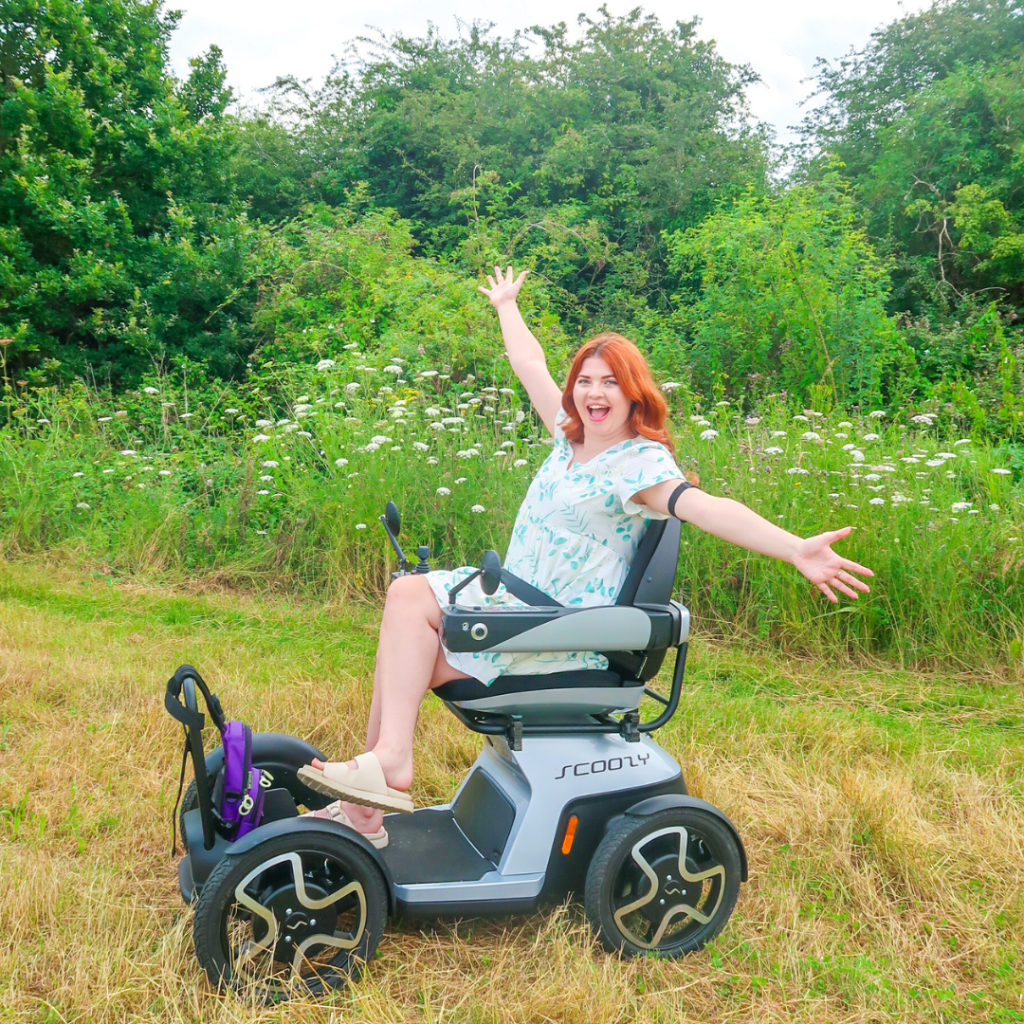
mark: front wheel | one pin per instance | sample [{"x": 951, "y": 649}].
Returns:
[
  {"x": 663, "y": 885},
  {"x": 295, "y": 914}
]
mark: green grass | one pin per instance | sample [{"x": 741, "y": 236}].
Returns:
[{"x": 881, "y": 809}]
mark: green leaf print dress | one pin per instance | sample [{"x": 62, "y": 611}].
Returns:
[{"x": 574, "y": 538}]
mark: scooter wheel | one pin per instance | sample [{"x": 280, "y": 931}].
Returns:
[
  {"x": 294, "y": 915},
  {"x": 663, "y": 885}
]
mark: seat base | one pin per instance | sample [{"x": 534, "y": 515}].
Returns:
[{"x": 557, "y": 694}]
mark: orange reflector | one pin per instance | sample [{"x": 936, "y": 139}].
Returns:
[{"x": 570, "y": 834}]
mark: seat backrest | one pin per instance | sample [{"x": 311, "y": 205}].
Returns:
[{"x": 653, "y": 573}]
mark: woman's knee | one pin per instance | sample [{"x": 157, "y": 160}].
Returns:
[{"x": 411, "y": 596}]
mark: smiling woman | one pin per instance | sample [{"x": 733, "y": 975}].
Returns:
[{"x": 610, "y": 470}]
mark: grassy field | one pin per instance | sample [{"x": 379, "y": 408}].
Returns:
[{"x": 882, "y": 810}]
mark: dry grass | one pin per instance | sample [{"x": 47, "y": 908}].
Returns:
[{"x": 882, "y": 811}]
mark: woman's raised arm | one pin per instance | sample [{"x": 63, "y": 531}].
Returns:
[{"x": 524, "y": 352}]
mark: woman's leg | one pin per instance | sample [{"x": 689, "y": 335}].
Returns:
[{"x": 410, "y": 660}]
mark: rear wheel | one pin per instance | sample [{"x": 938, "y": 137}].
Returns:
[
  {"x": 296, "y": 914},
  {"x": 663, "y": 885}
]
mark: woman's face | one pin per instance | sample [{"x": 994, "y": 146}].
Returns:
[{"x": 600, "y": 402}]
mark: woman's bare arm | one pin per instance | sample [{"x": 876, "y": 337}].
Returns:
[
  {"x": 524, "y": 352},
  {"x": 734, "y": 522}
]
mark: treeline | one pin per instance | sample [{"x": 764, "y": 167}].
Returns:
[{"x": 147, "y": 226}]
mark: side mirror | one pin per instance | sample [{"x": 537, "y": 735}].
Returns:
[
  {"x": 392, "y": 519},
  {"x": 490, "y": 572}
]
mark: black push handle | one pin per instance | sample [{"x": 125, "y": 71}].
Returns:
[{"x": 186, "y": 678}]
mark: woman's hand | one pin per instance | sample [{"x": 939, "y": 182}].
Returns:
[
  {"x": 503, "y": 289},
  {"x": 823, "y": 567}
]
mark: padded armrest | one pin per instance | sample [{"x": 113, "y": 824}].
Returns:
[{"x": 537, "y": 630}]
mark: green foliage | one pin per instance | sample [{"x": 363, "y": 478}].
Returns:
[
  {"x": 492, "y": 152},
  {"x": 279, "y": 479},
  {"x": 788, "y": 290},
  {"x": 119, "y": 237}
]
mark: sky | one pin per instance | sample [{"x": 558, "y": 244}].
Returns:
[{"x": 262, "y": 40}]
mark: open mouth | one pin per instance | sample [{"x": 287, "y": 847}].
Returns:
[{"x": 597, "y": 413}]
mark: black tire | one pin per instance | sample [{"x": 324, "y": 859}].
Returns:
[
  {"x": 680, "y": 912},
  {"x": 189, "y": 802},
  {"x": 224, "y": 929}
]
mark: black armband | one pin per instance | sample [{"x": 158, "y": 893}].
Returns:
[{"x": 674, "y": 496}]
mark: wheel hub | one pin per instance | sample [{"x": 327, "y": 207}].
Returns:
[
  {"x": 672, "y": 890},
  {"x": 295, "y": 923}
]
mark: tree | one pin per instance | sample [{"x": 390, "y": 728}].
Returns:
[{"x": 120, "y": 238}]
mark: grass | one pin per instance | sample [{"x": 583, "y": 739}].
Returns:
[
  {"x": 882, "y": 810},
  {"x": 277, "y": 482}
]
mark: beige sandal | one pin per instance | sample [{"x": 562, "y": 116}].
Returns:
[
  {"x": 335, "y": 813},
  {"x": 364, "y": 784}
]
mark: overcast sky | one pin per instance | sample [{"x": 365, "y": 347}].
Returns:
[{"x": 262, "y": 39}]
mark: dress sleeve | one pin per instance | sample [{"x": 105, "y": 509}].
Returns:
[{"x": 641, "y": 467}]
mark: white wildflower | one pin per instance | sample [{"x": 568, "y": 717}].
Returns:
[
  {"x": 872, "y": 476},
  {"x": 877, "y": 414},
  {"x": 924, "y": 417},
  {"x": 341, "y": 462},
  {"x": 461, "y": 479},
  {"x": 264, "y": 423},
  {"x": 420, "y": 446},
  {"x": 301, "y": 408},
  {"x": 842, "y": 436},
  {"x": 935, "y": 462},
  {"x": 433, "y": 460},
  {"x": 708, "y": 435},
  {"x": 183, "y": 416},
  {"x": 437, "y": 425},
  {"x": 151, "y": 391},
  {"x": 876, "y": 501},
  {"x": 266, "y": 478},
  {"x": 963, "y": 440},
  {"x": 354, "y": 386},
  {"x": 478, "y": 508},
  {"x": 779, "y": 433},
  {"x": 752, "y": 421},
  {"x": 1002, "y": 472},
  {"x": 393, "y": 369},
  {"x": 381, "y": 439},
  {"x": 291, "y": 428},
  {"x": 810, "y": 435},
  {"x": 910, "y": 458},
  {"x": 452, "y": 421},
  {"x": 519, "y": 462},
  {"x": 259, "y": 438},
  {"x": 773, "y": 450},
  {"x": 993, "y": 508},
  {"x": 797, "y": 470},
  {"x": 264, "y": 491},
  {"x": 351, "y": 346},
  {"x": 507, "y": 391},
  {"x": 800, "y": 419},
  {"x": 325, "y": 364},
  {"x": 467, "y": 453},
  {"x": 372, "y": 447},
  {"x": 167, "y": 472},
  {"x": 428, "y": 373},
  {"x": 845, "y": 425},
  {"x": 961, "y": 506},
  {"x": 670, "y": 385},
  {"x": 722, "y": 403},
  {"x": 104, "y": 419},
  {"x": 945, "y": 455},
  {"x": 444, "y": 491},
  {"x": 360, "y": 526}
]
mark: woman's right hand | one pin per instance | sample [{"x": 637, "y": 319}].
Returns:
[{"x": 503, "y": 289}]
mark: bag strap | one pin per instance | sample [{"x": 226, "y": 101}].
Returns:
[{"x": 187, "y": 717}]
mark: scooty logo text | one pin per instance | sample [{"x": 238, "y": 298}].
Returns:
[{"x": 611, "y": 764}]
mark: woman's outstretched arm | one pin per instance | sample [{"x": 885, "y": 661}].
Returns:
[
  {"x": 733, "y": 521},
  {"x": 524, "y": 352}
]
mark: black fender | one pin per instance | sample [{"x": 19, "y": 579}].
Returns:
[
  {"x": 668, "y": 801},
  {"x": 323, "y": 826},
  {"x": 282, "y": 755}
]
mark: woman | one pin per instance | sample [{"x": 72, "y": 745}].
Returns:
[{"x": 611, "y": 467}]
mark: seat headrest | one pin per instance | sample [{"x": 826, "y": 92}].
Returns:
[{"x": 653, "y": 573}]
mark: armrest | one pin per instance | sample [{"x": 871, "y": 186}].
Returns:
[{"x": 536, "y": 630}]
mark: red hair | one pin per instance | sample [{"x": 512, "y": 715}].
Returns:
[{"x": 649, "y": 412}]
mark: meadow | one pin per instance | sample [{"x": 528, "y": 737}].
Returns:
[
  {"x": 881, "y": 809},
  {"x": 276, "y": 482}
]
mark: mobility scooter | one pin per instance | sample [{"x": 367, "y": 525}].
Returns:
[{"x": 569, "y": 795}]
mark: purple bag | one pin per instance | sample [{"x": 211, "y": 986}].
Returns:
[{"x": 238, "y": 792}]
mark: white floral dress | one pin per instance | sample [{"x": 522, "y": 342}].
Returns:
[{"x": 574, "y": 538}]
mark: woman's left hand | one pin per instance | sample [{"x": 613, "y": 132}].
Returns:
[{"x": 825, "y": 569}]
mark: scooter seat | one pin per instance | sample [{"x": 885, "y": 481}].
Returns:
[
  {"x": 558, "y": 695},
  {"x": 473, "y": 689}
]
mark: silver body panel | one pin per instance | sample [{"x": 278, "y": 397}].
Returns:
[
  {"x": 539, "y": 780},
  {"x": 606, "y": 628}
]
